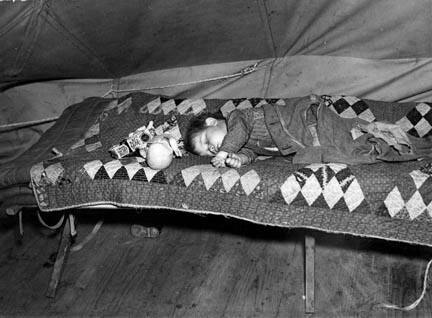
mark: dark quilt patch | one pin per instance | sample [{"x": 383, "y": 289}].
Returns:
[
  {"x": 349, "y": 107},
  {"x": 418, "y": 121}
]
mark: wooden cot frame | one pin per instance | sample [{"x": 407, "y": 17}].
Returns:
[{"x": 68, "y": 234}]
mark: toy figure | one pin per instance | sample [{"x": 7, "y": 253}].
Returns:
[
  {"x": 157, "y": 145},
  {"x": 135, "y": 141}
]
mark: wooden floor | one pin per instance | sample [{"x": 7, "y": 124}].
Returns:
[{"x": 204, "y": 267}]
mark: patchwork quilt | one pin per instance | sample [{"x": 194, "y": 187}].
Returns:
[{"x": 391, "y": 201}]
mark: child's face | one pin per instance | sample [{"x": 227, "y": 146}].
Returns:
[{"x": 208, "y": 141}]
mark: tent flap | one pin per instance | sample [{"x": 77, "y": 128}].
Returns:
[
  {"x": 380, "y": 50},
  {"x": 44, "y": 39}
]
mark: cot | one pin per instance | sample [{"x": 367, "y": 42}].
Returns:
[{"x": 71, "y": 167}]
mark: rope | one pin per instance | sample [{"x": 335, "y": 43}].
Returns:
[
  {"x": 88, "y": 237},
  {"x": 51, "y": 227},
  {"x": 415, "y": 303},
  {"x": 14, "y": 126}
]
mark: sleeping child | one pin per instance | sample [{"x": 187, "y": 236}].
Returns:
[{"x": 305, "y": 128}]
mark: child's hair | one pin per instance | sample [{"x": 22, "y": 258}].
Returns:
[{"x": 196, "y": 125}]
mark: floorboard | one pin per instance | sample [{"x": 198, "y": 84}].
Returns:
[{"x": 204, "y": 267}]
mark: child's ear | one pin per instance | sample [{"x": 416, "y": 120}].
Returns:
[{"x": 210, "y": 121}]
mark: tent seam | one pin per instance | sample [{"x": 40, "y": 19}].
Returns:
[
  {"x": 31, "y": 34},
  {"x": 6, "y": 28},
  {"x": 75, "y": 41}
]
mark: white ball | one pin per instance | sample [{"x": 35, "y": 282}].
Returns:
[{"x": 159, "y": 155}]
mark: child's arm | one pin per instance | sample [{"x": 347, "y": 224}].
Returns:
[{"x": 239, "y": 126}]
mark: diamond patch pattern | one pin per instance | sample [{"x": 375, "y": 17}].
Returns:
[
  {"x": 162, "y": 105},
  {"x": 324, "y": 185},
  {"x": 418, "y": 122},
  {"x": 349, "y": 107},
  {"x": 230, "y": 177},
  {"x": 243, "y": 103},
  {"x": 413, "y": 197},
  {"x": 132, "y": 168}
]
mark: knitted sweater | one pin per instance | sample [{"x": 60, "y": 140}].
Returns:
[{"x": 248, "y": 134}]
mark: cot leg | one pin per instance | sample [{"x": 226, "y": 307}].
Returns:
[
  {"x": 20, "y": 233},
  {"x": 309, "y": 274},
  {"x": 62, "y": 254}
]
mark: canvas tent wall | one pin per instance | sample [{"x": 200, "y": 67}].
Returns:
[{"x": 55, "y": 53}]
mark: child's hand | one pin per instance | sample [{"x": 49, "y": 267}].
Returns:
[
  {"x": 219, "y": 160},
  {"x": 233, "y": 161}
]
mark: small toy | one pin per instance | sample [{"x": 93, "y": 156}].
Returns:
[
  {"x": 157, "y": 145},
  {"x": 135, "y": 141}
]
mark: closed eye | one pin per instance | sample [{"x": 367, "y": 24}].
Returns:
[{"x": 212, "y": 149}]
